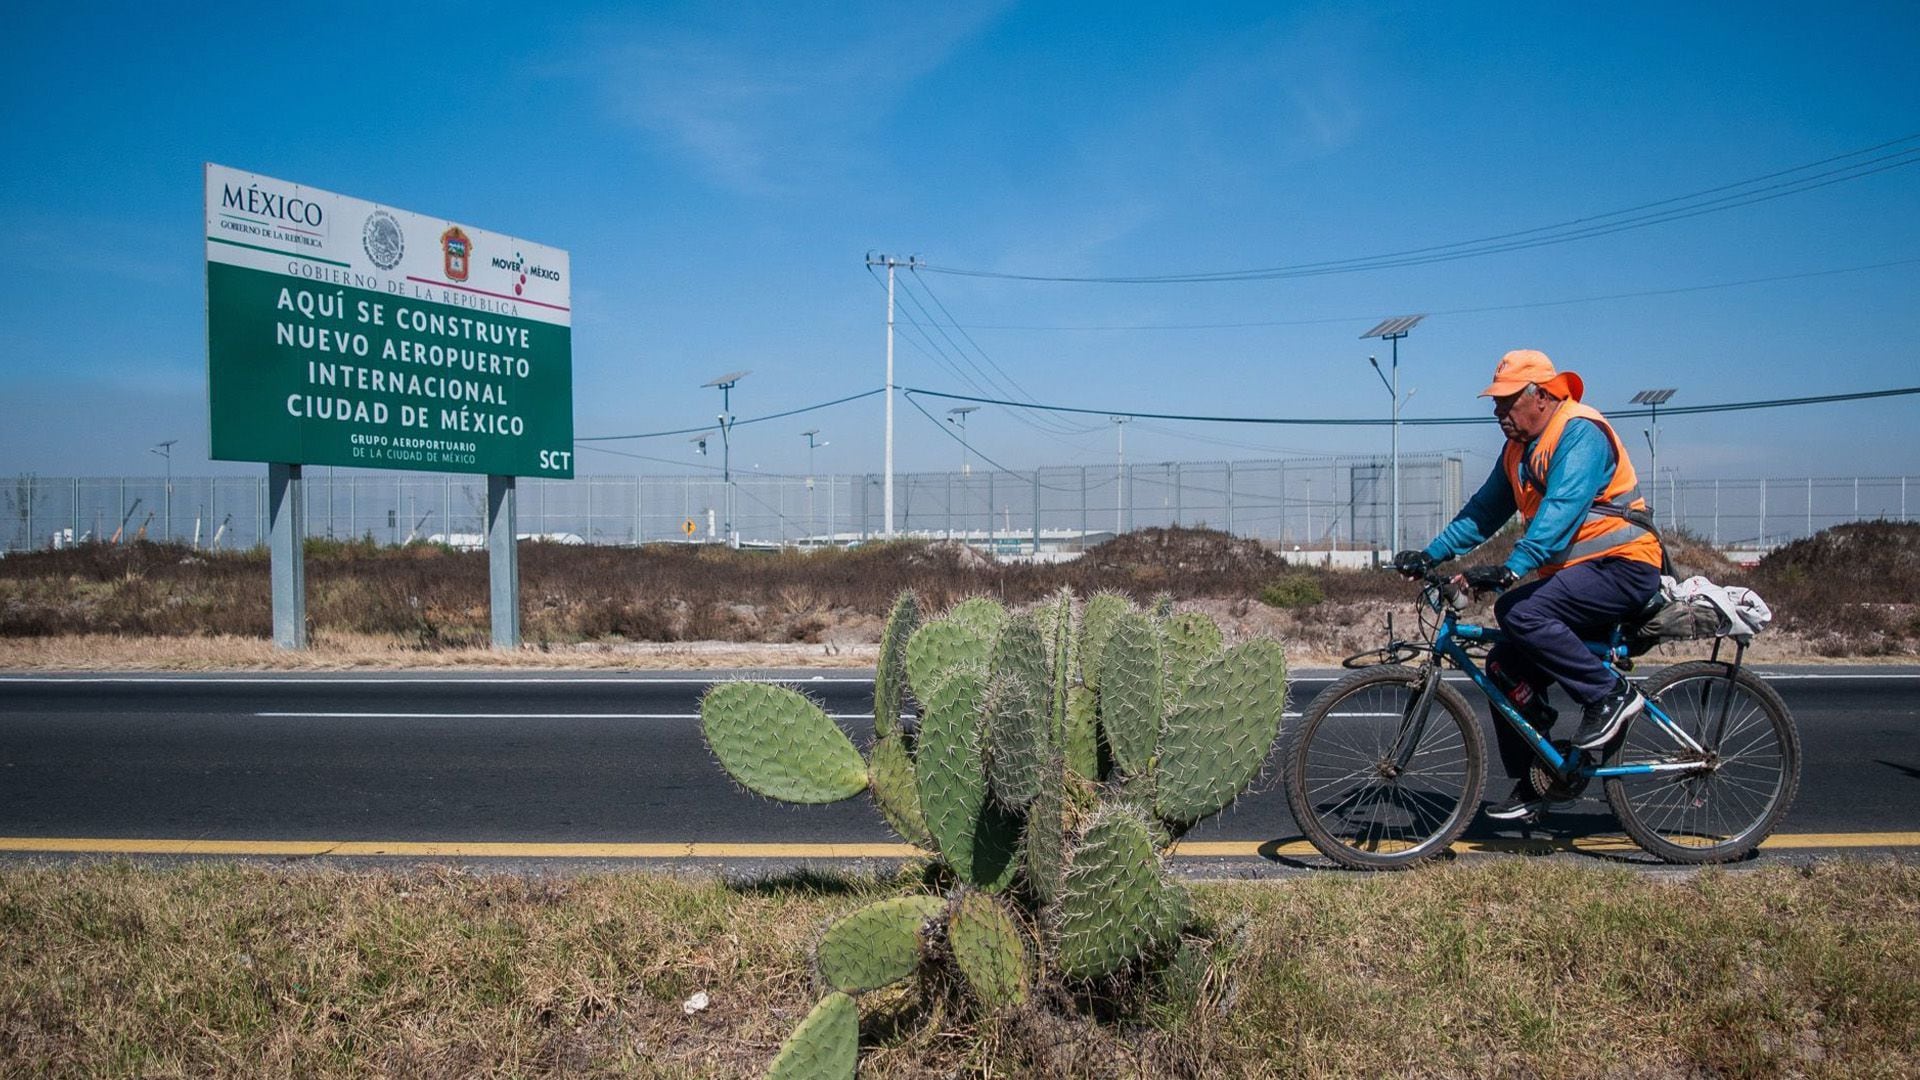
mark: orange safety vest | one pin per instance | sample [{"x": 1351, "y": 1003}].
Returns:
[{"x": 1605, "y": 533}]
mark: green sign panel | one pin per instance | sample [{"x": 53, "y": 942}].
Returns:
[{"x": 344, "y": 333}]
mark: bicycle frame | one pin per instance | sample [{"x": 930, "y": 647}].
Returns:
[{"x": 1450, "y": 643}]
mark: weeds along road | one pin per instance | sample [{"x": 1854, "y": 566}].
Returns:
[{"x": 591, "y": 765}]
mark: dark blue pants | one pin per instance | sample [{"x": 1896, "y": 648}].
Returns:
[{"x": 1547, "y": 623}]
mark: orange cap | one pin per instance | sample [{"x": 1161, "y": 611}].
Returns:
[{"x": 1523, "y": 367}]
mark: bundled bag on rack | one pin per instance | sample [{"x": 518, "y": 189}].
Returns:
[{"x": 1697, "y": 608}]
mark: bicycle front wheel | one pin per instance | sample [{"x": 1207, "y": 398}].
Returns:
[
  {"x": 1748, "y": 765},
  {"x": 1373, "y": 785}
]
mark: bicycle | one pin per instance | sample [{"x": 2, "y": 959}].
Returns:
[{"x": 1389, "y": 763}]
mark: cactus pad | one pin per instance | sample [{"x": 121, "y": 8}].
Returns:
[
  {"x": 983, "y": 613},
  {"x": 941, "y": 646},
  {"x": 989, "y": 950},
  {"x": 826, "y": 1045},
  {"x": 1192, "y": 639},
  {"x": 1215, "y": 743},
  {"x": 1116, "y": 904},
  {"x": 890, "y": 674},
  {"x": 1096, "y": 626},
  {"x": 1082, "y": 744},
  {"x": 895, "y": 791},
  {"x": 1045, "y": 848},
  {"x": 1016, "y": 739},
  {"x": 875, "y": 946},
  {"x": 1130, "y": 692},
  {"x": 777, "y": 743},
  {"x": 976, "y": 835}
]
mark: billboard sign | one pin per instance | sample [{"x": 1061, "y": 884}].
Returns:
[{"x": 342, "y": 332}]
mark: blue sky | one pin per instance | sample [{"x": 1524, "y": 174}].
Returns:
[{"x": 718, "y": 173}]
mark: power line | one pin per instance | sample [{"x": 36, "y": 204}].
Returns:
[
  {"x": 1335, "y": 320},
  {"x": 734, "y": 423},
  {"x": 1431, "y": 421},
  {"x": 1677, "y": 208},
  {"x": 933, "y": 351}
]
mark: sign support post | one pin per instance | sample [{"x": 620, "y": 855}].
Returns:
[
  {"x": 287, "y": 532},
  {"x": 503, "y": 560}
]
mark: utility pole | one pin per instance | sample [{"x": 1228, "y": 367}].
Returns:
[
  {"x": 890, "y": 263},
  {"x": 1120, "y": 475},
  {"x": 165, "y": 450},
  {"x": 725, "y": 385},
  {"x": 1393, "y": 330}
]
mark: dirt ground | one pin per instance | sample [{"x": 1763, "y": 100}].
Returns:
[{"x": 1314, "y": 638}]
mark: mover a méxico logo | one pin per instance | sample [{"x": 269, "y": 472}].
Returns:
[
  {"x": 518, "y": 265},
  {"x": 457, "y": 246}
]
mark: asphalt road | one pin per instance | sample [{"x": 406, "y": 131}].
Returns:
[{"x": 589, "y": 758}]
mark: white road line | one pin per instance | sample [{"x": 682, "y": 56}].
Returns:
[
  {"x": 190, "y": 680},
  {"x": 507, "y": 716}
]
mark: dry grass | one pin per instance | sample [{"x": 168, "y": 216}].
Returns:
[
  {"x": 1852, "y": 592},
  {"x": 1513, "y": 968}
]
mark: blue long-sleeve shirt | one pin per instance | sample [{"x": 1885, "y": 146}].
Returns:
[{"x": 1582, "y": 464}]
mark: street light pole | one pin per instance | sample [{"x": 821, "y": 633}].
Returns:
[
  {"x": 1653, "y": 399},
  {"x": 1393, "y": 330},
  {"x": 958, "y": 417},
  {"x": 725, "y": 384},
  {"x": 811, "y": 444},
  {"x": 165, "y": 450}
]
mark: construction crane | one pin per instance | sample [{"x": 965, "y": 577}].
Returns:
[
  {"x": 123, "y": 522},
  {"x": 142, "y": 534}
]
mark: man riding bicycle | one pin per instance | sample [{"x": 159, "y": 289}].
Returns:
[{"x": 1566, "y": 472}]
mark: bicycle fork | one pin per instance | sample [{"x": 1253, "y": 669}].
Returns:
[{"x": 1413, "y": 724}]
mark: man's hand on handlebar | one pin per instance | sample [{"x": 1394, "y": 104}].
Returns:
[
  {"x": 1481, "y": 580},
  {"x": 1413, "y": 564}
]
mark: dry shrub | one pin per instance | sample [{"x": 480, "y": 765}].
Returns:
[{"x": 1851, "y": 590}]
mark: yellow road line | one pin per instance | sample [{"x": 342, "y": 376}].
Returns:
[{"x": 455, "y": 850}]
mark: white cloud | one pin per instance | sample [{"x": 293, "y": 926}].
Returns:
[{"x": 769, "y": 102}]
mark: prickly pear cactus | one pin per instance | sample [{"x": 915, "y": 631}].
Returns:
[
  {"x": 876, "y": 946},
  {"x": 1131, "y": 692},
  {"x": 779, "y": 744},
  {"x": 1117, "y": 903},
  {"x": 890, "y": 674},
  {"x": 989, "y": 950},
  {"x": 1058, "y": 868},
  {"x": 826, "y": 1045}
]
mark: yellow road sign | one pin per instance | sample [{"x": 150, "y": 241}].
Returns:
[{"x": 688, "y": 526}]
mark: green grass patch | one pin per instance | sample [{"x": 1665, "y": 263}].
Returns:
[{"x": 1510, "y": 968}]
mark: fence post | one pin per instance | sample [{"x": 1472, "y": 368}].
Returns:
[
  {"x": 636, "y": 511},
  {"x": 990, "y": 532},
  {"x": 76, "y": 510},
  {"x": 1036, "y": 515},
  {"x": 446, "y": 508},
  {"x": 1178, "y": 499},
  {"x": 1763, "y": 512},
  {"x": 1229, "y": 498},
  {"x": 1809, "y": 506},
  {"x": 1083, "y": 505},
  {"x": 1716, "y": 512}
]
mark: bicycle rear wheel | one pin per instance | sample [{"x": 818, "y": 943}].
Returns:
[
  {"x": 1749, "y": 766},
  {"x": 1348, "y": 793}
]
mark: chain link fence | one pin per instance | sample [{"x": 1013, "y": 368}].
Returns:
[{"x": 1320, "y": 503}]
